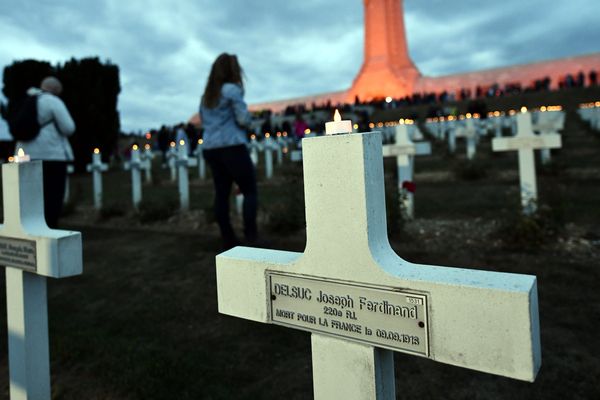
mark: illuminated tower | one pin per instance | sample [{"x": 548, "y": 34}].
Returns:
[{"x": 387, "y": 69}]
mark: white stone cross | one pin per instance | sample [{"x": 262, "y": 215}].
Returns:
[
  {"x": 135, "y": 165},
  {"x": 468, "y": 131},
  {"x": 525, "y": 142},
  {"x": 171, "y": 160},
  {"x": 254, "y": 148},
  {"x": 548, "y": 122},
  {"x": 70, "y": 171},
  {"x": 200, "y": 160},
  {"x": 496, "y": 119},
  {"x": 183, "y": 163},
  {"x": 97, "y": 167},
  {"x": 31, "y": 251},
  {"x": 451, "y": 126},
  {"x": 268, "y": 147},
  {"x": 361, "y": 301},
  {"x": 404, "y": 149},
  {"x": 146, "y": 157}
]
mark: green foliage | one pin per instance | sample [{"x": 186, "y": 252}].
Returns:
[
  {"x": 152, "y": 211},
  {"x": 90, "y": 91},
  {"x": 470, "y": 170},
  {"x": 286, "y": 215},
  {"x": 531, "y": 231}
]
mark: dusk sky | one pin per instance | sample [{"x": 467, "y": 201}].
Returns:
[{"x": 164, "y": 49}]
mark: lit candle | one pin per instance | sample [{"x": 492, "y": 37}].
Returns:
[
  {"x": 337, "y": 125},
  {"x": 96, "y": 157},
  {"x": 21, "y": 156}
]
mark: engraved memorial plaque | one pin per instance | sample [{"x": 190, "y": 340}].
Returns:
[
  {"x": 384, "y": 317},
  {"x": 18, "y": 253}
]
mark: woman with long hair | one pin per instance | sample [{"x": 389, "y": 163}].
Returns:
[{"x": 225, "y": 116}]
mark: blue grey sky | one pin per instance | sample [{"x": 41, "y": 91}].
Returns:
[{"x": 293, "y": 48}]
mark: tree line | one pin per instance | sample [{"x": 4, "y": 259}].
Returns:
[{"x": 90, "y": 92}]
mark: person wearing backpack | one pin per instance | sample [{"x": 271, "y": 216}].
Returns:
[{"x": 51, "y": 145}]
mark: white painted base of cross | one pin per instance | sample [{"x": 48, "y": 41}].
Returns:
[
  {"x": 31, "y": 252},
  {"x": 361, "y": 301}
]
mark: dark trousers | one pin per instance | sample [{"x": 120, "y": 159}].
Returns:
[
  {"x": 55, "y": 179},
  {"x": 228, "y": 165}
]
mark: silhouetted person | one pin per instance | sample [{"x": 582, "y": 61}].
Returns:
[
  {"x": 51, "y": 145},
  {"x": 225, "y": 116}
]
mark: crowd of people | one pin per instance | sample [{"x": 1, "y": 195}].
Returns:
[{"x": 579, "y": 79}]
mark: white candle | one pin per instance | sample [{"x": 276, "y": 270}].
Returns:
[
  {"x": 337, "y": 125},
  {"x": 21, "y": 156}
]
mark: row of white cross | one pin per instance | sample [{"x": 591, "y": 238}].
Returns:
[
  {"x": 360, "y": 301},
  {"x": 404, "y": 149}
]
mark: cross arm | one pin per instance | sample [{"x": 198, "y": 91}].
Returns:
[
  {"x": 241, "y": 284},
  {"x": 547, "y": 141},
  {"x": 482, "y": 320}
]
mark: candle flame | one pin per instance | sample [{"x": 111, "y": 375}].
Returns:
[
  {"x": 11, "y": 159},
  {"x": 307, "y": 131},
  {"x": 20, "y": 152},
  {"x": 337, "y": 117},
  {"x": 135, "y": 147},
  {"x": 543, "y": 108},
  {"x": 355, "y": 126},
  {"x": 523, "y": 109},
  {"x": 182, "y": 142},
  {"x": 96, "y": 151}
]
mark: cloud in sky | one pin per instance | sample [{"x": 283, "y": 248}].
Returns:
[{"x": 164, "y": 49}]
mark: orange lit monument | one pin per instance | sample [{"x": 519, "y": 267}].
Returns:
[{"x": 387, "y": 69}]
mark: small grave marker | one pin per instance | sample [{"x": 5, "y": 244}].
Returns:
[
  {"x": 405, "y": 150},
  {"x": 183, "y": 162},
  {"x": 172, "y": 160},
  {"x": 97, "y": 167},
  {"x": 200, "y": 160},
  {"x": 31, "y": 251},
  {"x": 268, "y": 147},
  {"x": 525, "y": 142},
  {"x": 135, "y": 165},
  {"x": 146, "y": 157},
  {"x": 254, "y": 148},
  {"x": 549, "y": 121}
]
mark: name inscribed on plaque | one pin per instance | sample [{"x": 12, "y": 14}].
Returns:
[
  {"x": 18, "y": 253},
  {"x": 381, "y": 316}
]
